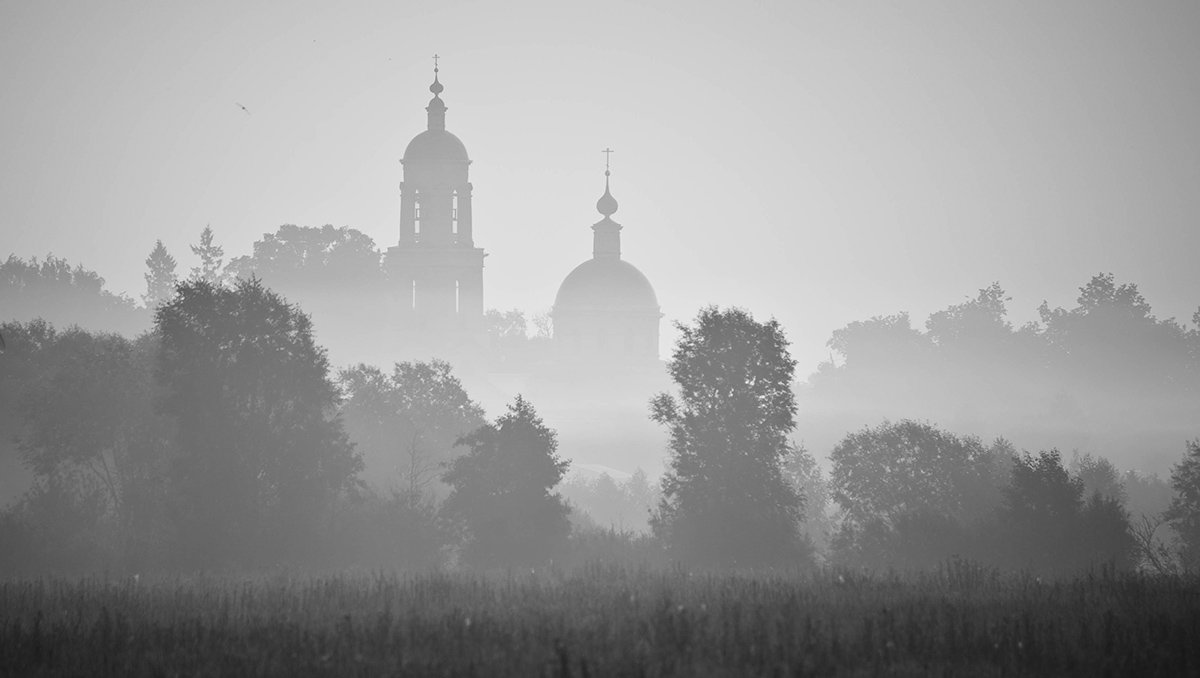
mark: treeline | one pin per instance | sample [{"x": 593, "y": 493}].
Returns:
[
  {"x": 1106, "y": 376},
  {"x": 339, "y": 276},
  {"x": 222, "y": 439}
]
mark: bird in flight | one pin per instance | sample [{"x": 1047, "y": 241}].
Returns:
[{"x": 244, "y": 109}]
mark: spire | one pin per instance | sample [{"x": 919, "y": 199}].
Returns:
[
  {"x": 606, "y": 205},
  {"x": 606, "y": 238},
  {"x": 436, "y": 108}
]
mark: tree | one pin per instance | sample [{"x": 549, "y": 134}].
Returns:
[
  {"x": 160, "y": 278},
  {"x": 212, "y": 259},
  {"x": 301, "y": 259},
  {"x": 406, "y": 424},
  {"x": 502, "y": 493},
  {"x": 913, "y": 495},
  {"x": 53, "y": 290},
  {"x": 1112, "y": 340},
  {"x": 907, "y": 467},
  {"x": 1046, "y": 524},
  {"x": 1098, "y": 475},
  {"x": 725, "y": 499},
  {"x": 1184, "y": 514},
  {"x": 262, "y": 455},
  {"x": 803, "y": 472},
  {"x": 88, "y": 430}
]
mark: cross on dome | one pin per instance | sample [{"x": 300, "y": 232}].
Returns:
[{"x": 606, "y": 205}]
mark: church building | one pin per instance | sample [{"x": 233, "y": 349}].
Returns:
[
  {"x": 594, "y": 383},
  {"x": 605, "y": 314},
  {"x": 436, "y": 265}
]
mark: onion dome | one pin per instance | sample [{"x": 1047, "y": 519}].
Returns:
[{"x": 435, "y": 145}]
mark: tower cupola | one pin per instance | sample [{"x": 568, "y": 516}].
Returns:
[{"x": 606, "y": 233}]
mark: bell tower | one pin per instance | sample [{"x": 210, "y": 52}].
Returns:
[{"x": 438, "y": 269}]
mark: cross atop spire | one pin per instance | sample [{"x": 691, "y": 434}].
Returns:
[
  {"x": 607, "y": 204},
  {"x": 436, "y": 87}
]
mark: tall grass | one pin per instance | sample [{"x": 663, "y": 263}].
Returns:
[{"x": 603, "y": 620}]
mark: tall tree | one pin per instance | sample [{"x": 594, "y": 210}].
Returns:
[
  {"x": 1046, "y": 524},
  {"x": 160, "y": 276},
  {"x": 1184, "y": 513},
  {"x": 262, "y": 453},
  {"x": 88, "y": 430},
  {"x": 725, "y": 498},
  {"x": 212, "y": 259},
  {"x": 503, "y": 494}
]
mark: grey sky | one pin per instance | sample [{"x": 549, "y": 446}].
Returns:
[{"x": 820, "y": 162}]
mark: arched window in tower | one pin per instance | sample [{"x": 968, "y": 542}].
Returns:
[
  {"x": 414, "y": 294},
  {"x": 417, "y": 217},
  {"x": 454, "y": 216},
  {"x": 457, "y": 296}
]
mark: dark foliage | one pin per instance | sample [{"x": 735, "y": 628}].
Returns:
[
  {"x": 1046, "y": 525},
  {"x": 1184, "y": 513},
  {"x": 725, "y": 499},
  {"x": 502, "y": 494},
  {"x": 262, "y": 457},
  {"x": 53, "y": 290},
  {"x": 913, "y": 495},
  {"x": 85, "y": 426}
]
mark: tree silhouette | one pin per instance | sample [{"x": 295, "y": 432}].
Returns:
[
  {"x": 300, "y": 259},
  {"x": 262, "y": 455},
  {"x": 212, "y": 259},
  {"x": 160, "y": 276},
  {"x": 1184, "y": 514},
  {"x": 907, "y": 466},
  {"x": 502, "y": 491},
  {"x": 725, "y": 499},
  {"x": 912, "y": 494},
  {"x": 1046, "y": 525},
  {"x": 53, "y": 290}
]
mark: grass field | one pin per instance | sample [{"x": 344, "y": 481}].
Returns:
[{"x": 603, "y": 621}]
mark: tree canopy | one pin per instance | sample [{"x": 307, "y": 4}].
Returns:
[
  {"x": 300, "y": 259},
  {"x": 502, "y": 490},
  {"x": 160, "y": 276},
  {"x": 725, "y": 499},
  {"x": 262, "y": 454},
  {"x": 61, "y": 294},
  {"x": 407, "y": 423}
]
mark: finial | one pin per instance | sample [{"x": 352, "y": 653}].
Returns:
[
  {"x": 436, "y": 87},
  {"x": 606, "y": 205}
]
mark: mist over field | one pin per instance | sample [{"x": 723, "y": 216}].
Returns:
[{"x": 885, "y": 354}]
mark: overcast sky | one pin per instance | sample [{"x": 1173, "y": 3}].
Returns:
[{"x": 819, "y": 162}]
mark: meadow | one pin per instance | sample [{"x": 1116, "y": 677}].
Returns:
[{"x": 603, "y": 621}]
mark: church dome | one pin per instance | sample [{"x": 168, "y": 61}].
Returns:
[
  {"x": 606, "y": 283},
  {"x": 435, "y": 146}
]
